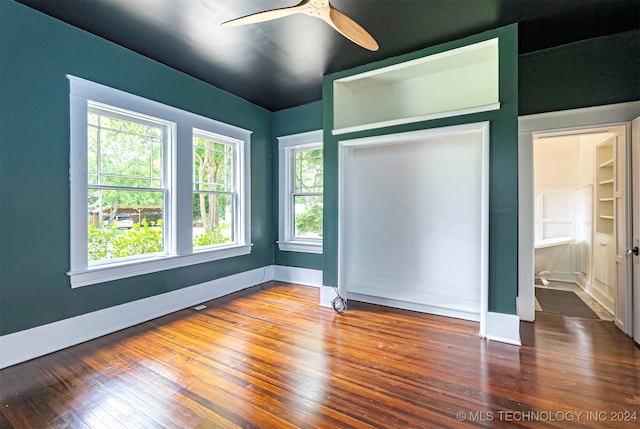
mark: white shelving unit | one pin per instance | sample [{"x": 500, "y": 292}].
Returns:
[
  {"x": 605, "y": 189},
  {"x": 604, "y": 266},
  {"x": 451, "y": 83}
]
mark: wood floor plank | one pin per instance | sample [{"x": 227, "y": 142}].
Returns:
[{"x": 270, "y": 357}]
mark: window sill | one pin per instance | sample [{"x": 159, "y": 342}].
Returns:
[
  {"x": 300, "y": 246},
  {"x": 107, "y": 273}
]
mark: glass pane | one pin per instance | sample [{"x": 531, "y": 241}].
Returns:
[
  {"x": 92, "y": 150},
  {"x": 124, "y": 224},
  {"x": 125, "y": 153},
  {"x": 212, "y": 165},
  {"x": 127, "y": 126},
  {"x": 213, "y": 219},
  {"x": 308, "y": 171},
  {"x": 308, "y": 216},
  {"x": 156, "y": 157}
]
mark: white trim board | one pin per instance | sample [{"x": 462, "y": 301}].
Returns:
[
  {"x": 410, "y": 303},
  {"x": 504, "y": 328},
  {"x": 500, "y": 327},
  {"x": 301, "y": 276},
  {"x": 41, "y": 340},
  {"x": 31, "y": 343},
  {"x": 286, "y": 150},
  {"x": 429, "y": 117}
]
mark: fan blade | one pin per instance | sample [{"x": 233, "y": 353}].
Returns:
[
  {"x": 266, "y": 15},
  {"x": 350, "y": 29}
]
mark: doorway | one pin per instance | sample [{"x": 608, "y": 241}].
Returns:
[
  {"x": 580, "y": 222},
  {"x": 568, "y": 122}
]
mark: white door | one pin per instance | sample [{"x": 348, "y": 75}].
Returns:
[
  {"x": 635, "y": 150},
  {"x": 621, "y": 263}
]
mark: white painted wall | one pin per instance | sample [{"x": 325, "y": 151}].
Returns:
[
  {"x": 586, "y": 174},
  {"x": 556, "y": 163}
]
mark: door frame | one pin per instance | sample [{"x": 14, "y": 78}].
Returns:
[
  {"x": 590, "y": 117},
  {"x": 635, "y": 189}
]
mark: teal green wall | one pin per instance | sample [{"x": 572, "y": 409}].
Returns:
[
  {"x": 300, "y": 119},
  {"x": 503, "y": 170},
  {"x": 36, "y": 52},
  {"x": 593, "y": 72}
]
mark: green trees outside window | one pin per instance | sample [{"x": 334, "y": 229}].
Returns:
[
  {"x": 125, "y": 166},
  {"x": 126, "y": 177},
  {"x": 214, "y": 191},
  {"x": 307, "y": 194}
]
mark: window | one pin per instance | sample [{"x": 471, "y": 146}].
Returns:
[
  {"x": 307, "y": 193},
  {"x": 214, "y": 190},
  {"x": 126, "y": 188},
  {"x": 152, "y": 187},
  {"x": 301, "y": 192}
]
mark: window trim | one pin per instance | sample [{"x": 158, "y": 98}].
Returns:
[
  {"x": 286, "y": 147},
  {"x": 179, "y": 251},
  {"x": 238, "y": 186}
]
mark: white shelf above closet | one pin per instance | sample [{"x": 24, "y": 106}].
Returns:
[{"x": 452, "y": 83}]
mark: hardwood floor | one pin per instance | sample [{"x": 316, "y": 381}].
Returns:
[{"x": 270, "y": 357}]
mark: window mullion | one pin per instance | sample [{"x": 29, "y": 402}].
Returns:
[
  {"x": 183, "y": 190},
  {"x": 78, "y": 174}
]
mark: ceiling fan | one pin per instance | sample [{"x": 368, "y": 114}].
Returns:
[{"x": 321, "y": 9}]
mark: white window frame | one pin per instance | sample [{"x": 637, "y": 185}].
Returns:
[
  {"x": 178, "y": 223},
  {"x": 287, "y": 146},
  {"x": 167, "y": 138},
  {"x": 237, "y": 189}
]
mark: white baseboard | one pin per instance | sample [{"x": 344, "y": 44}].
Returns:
[
  {"x": 504, "y": 328},
  {"x": 327, "y": 294},
  {"x": 526, "y": 309},
  {"x": 500, "y": 327},
  {"x": 301, "y": 276},
  {"x": 439, "y": 310},
  {"x": 41, "y": 340},
  {"x": 593, "y": 290}
]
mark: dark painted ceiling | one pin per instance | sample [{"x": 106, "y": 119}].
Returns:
[{"x": 280, "y": 64}]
